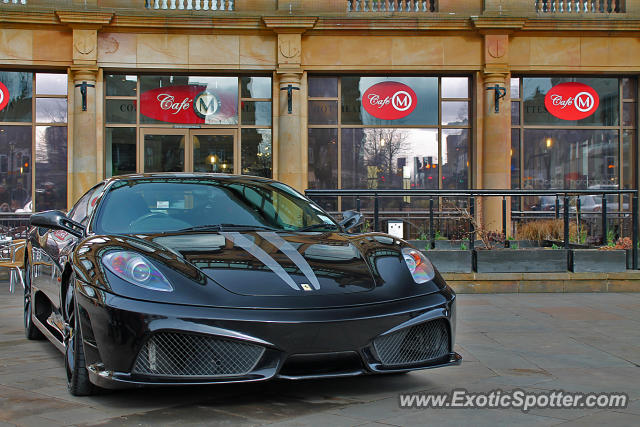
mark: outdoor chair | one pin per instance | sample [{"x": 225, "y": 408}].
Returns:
[{"x": 12, "y": 257}]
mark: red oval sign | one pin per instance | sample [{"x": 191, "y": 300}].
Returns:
[
  {"x": 188, "y": 104},
  {"x": 4, "y": 96},
  {"x": 389, "y": 100},
  {"x": 571, "y": 101}
]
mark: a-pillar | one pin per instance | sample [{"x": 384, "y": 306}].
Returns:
[
  {"x": 83, "y": 155},
  {"x": 291, "y": 156},
  {"x": 496, "y": 157}
]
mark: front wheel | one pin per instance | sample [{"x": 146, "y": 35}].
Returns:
[
  {"x": 77, "y": 375},
  {"x": 30, "y": 330}
]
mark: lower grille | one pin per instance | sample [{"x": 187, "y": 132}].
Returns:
[
  {"x": 416, "y": 344},
  {"x": 186, "y": 355}
]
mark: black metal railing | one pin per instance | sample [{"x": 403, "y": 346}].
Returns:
[
  {"x": 13, "y": 225},
  {"x": 562, "y": 207}
]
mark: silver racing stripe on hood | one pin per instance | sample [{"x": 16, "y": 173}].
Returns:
[
  {"x": 295, "y": 256},
  {"x": 261, "y": 255}
]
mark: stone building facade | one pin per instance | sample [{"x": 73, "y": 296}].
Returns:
[{"x": 319, "y": 94}]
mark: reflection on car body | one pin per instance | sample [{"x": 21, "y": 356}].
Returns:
[{"x": 200, "y": 278}]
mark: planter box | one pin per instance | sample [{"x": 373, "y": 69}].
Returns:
[
  {"x": 420, "y": 244},
  {"x": 520, "y": 260},
  {"x": 597, "y": 261},
  {"x": 630, "y": 258},
  {"x": 451, "y": 260}
]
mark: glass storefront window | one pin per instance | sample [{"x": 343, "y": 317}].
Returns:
[
  {"x": 323, "y": 158},
  {"x": 256, "y": 152},
  {"x": 121, "y": 85},
  {"x": 120, "y": 111},
  {"x": 256, "y": 113},
  {"x": 428, "y": 148},
  {"x": 455, "y": 87},
  {"x": 455, "y": 159},
  {"x": 189, "y": 100},
  {"x": 20, "y": 88},
  {"x": 51, "y": 110},
  {"x": 51, "y": 84},
  {"x": 323, "y": 112},
  {"x": 51, "y": 167},
  {"x": 424, "y": 114},
  {"x": 560, "y": 153},
  {"x": 15, "y": 168},
  {"x": 323, "y": 87},
  {"x": 536, "y": 88},
  {"x": 24, "y": 152},
  {"x": 576, "y": 159},
  {"x": 515, "y": 88},
  {"x": 255, "y": 87},
  {"x": 455, "y": 113},
  {"x": 243, "y": 105},
  {"x": 120, "y": 151}
]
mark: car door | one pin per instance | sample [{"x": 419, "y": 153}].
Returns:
[{"x": 55, "y": 248}]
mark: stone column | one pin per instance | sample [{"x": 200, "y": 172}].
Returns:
[
  {"x": 290, "y": 147},
  {"x": 496, "y": 158},
  {"x": 82, "y": 150}
]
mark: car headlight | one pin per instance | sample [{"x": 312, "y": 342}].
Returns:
[
  {"x": 136, "y": 269},
  {"x": 420, "y": 267}
]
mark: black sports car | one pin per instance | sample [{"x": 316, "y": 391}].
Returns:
[{"x": 161, "y": 279}]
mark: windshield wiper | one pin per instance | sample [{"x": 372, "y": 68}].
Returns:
[
  {"x": 221, "y": 227},
  {"x": 316, "y": 226}
]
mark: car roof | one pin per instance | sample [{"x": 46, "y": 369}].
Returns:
[{"x": 187, "y": 175}]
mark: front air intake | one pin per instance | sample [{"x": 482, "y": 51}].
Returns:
[
  {"x": 171, "y": 354},
  {"x": 414, "y": 345}
]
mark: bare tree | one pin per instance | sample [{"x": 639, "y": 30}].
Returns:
[{"x": 382, "y": 148}]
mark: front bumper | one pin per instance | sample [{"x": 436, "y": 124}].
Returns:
[{"x": 294, "y": 344}]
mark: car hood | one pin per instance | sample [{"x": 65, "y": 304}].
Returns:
[
  {"x": 266, "y": 263},
  {"x": 259, "y": 270}
]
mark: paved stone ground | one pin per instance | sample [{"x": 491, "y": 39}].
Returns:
[{"x": 536, "y": 342}]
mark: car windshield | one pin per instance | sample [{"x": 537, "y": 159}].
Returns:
[{"x": 157, "y": 205}]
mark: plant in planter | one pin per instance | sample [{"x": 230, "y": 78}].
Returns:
[{"x": 494, "y": 258}]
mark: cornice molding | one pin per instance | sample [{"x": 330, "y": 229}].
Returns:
[
  {"x": 485, "y": 24},
  {"x": 396, "y": 23},
  {"x": 91, "y": 19},
  {"x": 289, "y": 24},
  {"x": 12, "y": 16},
  {"x": 498, "y": 23}
]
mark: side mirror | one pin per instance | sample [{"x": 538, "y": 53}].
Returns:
[
  {"x": 56, "y": 220},
  {"x": 351, "y": 220}
]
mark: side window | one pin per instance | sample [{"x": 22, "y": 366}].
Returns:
[{"x": 85, "y": 206}]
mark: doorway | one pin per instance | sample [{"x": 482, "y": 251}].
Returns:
[{"x": 188, "y": 150}]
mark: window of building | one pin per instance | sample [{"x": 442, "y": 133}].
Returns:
[
  {"x": 137, "y": 105},
  {"x": 388, "y": 133},
  {"x": 552, "y": 149},
  {"x": 33, "y": 119}
]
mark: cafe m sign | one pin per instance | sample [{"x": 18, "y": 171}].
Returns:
[
  {"x": 4, "y": 96},
  {"x": 389, "y": 100},
  {"x": 571, "y": 101},
  {"x": 192, "y": 104}
]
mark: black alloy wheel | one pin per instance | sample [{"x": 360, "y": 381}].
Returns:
[
  {"x": 77, "y": 375},
  {"x": 30, "y": 330}
]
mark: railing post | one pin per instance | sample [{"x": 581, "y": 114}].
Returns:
[
  {"x": 566, "y": 221},
  {"x": 604, "y": 220},
  {"x": 358, "y": 203},
  {"x": 504, "y": 221},
  {"x": 634, "y": 237},
  {"x": 432, "y": 233},
  {"x": 557, "y": 207},
  {"x": 472, "y": 212},
  {"x": 376, "y": 211}
]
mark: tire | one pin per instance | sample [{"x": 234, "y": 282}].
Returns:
[
  {"x": 77, "y": 375},
  {"x": 30, "y": 330}
]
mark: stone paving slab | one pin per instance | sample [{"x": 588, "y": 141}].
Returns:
[{"x": 535, "y": 342}]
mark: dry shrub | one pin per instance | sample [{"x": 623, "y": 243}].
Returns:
[{"x": 545, "y": 229}]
